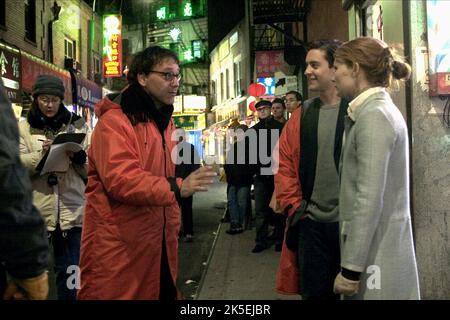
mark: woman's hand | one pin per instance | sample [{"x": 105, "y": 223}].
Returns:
[{"x": 46, "y": 145}]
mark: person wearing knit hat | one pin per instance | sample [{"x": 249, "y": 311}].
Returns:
[
  {"x": 59, "y": 196},
  {"x": 50, "y": 85}
]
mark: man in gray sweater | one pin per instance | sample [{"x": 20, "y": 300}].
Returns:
[{"x": 321, "y": 131}]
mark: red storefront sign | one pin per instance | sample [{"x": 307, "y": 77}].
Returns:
[
  {"x": 32, "y": 67},
  {"x": 268, "y": 62},
  {"x": 10, "y": 73},
  {"x": 112, "y": 46}
]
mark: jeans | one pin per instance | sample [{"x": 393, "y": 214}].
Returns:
[
  {"x": 238, "y": 203},
  {"x": 318, "y": 259},
  {"x": 66, "y": 251}
]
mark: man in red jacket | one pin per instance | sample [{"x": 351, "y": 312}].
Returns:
[
  {"x": 129, "y": 246},
  {"x": 308, "y": 171}
]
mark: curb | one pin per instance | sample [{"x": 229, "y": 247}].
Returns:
[{"x": 211, "y": 252}]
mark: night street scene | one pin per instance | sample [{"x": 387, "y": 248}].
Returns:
[{"x": 237, "y": 157}]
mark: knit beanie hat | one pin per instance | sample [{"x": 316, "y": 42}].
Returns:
[{"x": 48, "y": 84}]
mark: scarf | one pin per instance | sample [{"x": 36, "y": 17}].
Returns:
[
  {"x": 38, "y": 120},
  {"x": 139, "y": 106}
]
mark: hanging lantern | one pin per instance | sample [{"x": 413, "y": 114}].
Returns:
[{"x": 256, "y": 89}]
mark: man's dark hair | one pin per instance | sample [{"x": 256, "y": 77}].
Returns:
[
  {"x": 280, "y": 101},
  {"x": 144, "y": 61},
  {"x": 328, "y": 47},
  {"x": 297, "y": 94}
]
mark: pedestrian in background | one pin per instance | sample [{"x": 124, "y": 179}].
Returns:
[
  {"x": 278, "y": 110},
  {"x": 294, "y": 100},
  {"x": 23, "y": 236},
  {"x": 263, "y": 180},
  {"x": 59, "y": 196},
  {"x": 239, "y": 178},
  {"x": 129, "y": 244},
  {"x": 375, "y": 220},
  {"x": 188, "y": 162}
]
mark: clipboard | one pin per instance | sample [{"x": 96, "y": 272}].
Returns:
[{"x": 55, "y": 159}]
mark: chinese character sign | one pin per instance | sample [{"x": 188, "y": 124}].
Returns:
[
  {"x": 112, "y": 46},
  {"x": 10, "y": 73}
]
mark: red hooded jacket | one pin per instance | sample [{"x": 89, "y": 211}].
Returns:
[
  {"x": 288, "y": 193},
  {"x": 129, "y": 208}
]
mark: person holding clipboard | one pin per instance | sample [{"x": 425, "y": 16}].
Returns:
[{"x": 57, "y": 193}]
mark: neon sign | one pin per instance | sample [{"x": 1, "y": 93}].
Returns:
[{"x": 112, "y": 45}]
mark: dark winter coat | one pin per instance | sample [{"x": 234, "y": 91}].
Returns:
[
  {"x": 185, "y": 168},
  {"x": 23, "y": 237},
  {"x": 239, "y": 173},
  {"x": 265, "y": 125}
]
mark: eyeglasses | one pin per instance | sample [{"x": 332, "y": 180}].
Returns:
[
  {"x": 47, "y": 100},
  {"x": 168, "y": 76}
]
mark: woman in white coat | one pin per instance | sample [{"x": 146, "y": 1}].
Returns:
[
  {"x": 377, "y": 250},
  {"x": 59, "y": 196}
]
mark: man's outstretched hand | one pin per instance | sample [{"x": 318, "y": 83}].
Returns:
[{"x": 199, "y": 180}]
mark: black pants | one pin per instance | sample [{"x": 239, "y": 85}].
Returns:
[
  {"x": 186, "y": 215},
  {"x": 279, "y": 223},
  {"x": 318, "y": 259},
  {"x": 167, "y": 289},
  {"x": 2, "y": 281},
  {"x": 264, "y": 187}
]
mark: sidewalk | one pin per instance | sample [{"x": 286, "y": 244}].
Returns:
[{"x": 235, "y": 273}]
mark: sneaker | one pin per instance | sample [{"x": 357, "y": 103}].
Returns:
[
  {"x": 188, "y": 238},
  {"x": 258, "y": 248}
]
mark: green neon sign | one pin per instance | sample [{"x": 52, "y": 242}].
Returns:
[
  {"x": 161, "y": 13},
  {"x": 188, "y": 55},
  {"x": 188, "y": 9}
]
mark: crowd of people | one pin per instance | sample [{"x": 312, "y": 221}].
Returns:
[{"x": 336, "y": 169}]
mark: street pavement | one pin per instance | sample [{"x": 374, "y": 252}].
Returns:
[
  {"x": 208, "y": 209},
  {"x": 219, "y": 266},
  {"x": 235, "y": 273}
]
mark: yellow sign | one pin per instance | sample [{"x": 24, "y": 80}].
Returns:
[{"x": 224, "y": 50}]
